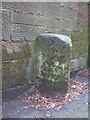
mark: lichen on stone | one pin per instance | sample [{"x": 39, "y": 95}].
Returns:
[{"x": 53, "y": 63}]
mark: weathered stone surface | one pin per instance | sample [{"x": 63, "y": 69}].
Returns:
[
  {"x": 0, "y": 26},
  {"x": 15, "y": 60},
  {"x": 80, "y": 44},
  {"x": 53, "y": 60},
  {"x": 78, "y": 64},
  {"x": 22, "y": 18},
  {"x": 65, "y": 24},
  {"x": 6, "y": 25},
  {"x": 7, "y": 5},
  {"x": 74, "y": 5},
  {"x": 21, "y": 32},
  {"x": 12, "y": 51},
  {"x": 45, "y": 9},
  {"x": 68, "y": 13},
  {"x": 66, "y": 32},
  {"x": 24, "y": 21},
  {"x": 50, "y": 9},
  {"x": 29, "y": 19}
]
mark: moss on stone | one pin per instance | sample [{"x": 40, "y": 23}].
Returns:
[
  {"x": 79, "y": 44},
  {"x": 53, "y": 63},
  {"x": 15, "y": 62}
]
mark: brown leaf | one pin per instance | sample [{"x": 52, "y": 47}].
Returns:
[
  {"x": 39, "y": 100},
  {"x": 74, "y": 86}
]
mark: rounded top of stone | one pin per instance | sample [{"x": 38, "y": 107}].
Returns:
[{"x": 60, "y": 36}]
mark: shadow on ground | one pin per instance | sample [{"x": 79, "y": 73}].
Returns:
[{"x": 78, "y": 108}]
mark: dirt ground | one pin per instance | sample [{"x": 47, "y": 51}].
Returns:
[{"x": 28, "y": 107}]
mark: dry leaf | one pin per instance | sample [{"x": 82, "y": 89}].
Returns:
[
  {"x": 74, "y": 86},
  {"x": 40, "y": 101}
]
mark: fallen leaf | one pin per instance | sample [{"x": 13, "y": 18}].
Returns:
[
  {"x": 69, "y": 100},
  {"x": 74, "y": 86},
  {"x": 39, "y": 100}
]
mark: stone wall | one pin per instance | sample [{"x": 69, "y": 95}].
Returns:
[{"x": 22, "y": 22}]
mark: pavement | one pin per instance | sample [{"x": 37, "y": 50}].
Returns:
[{"x": 78, "y": 108}]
